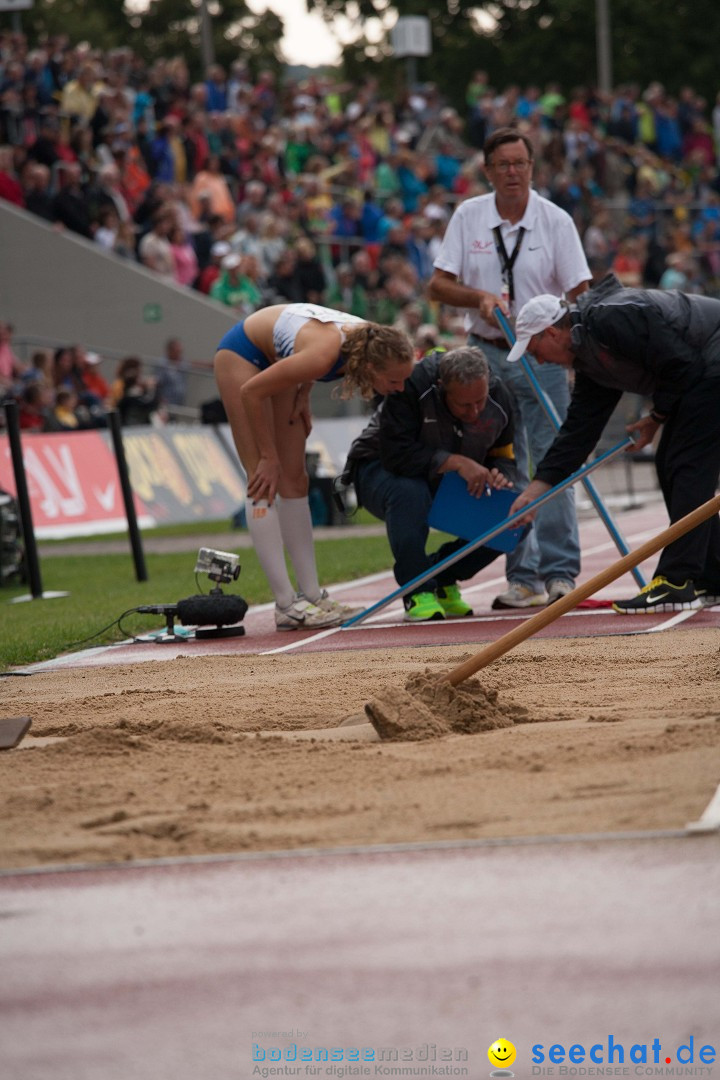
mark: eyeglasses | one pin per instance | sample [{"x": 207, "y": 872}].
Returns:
[{"x": 506, "y": 166}]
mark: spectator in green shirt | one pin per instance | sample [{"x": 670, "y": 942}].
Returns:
[{"x": 236, "y": 287}]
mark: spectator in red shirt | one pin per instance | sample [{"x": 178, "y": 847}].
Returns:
[
  {"x": 210, "y": 273},
  {"x": 10, "y": 187},
  {"x": 88, "y": 367},
  {"x": 10, "y": 366},
  {"x": 33, "y": 408}
]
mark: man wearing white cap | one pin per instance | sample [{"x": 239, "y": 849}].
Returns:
[
  {"x": 231, "y": 288},
  {"x": 665, "y": 346},
  {"x": 500, "y": 250},
  {"x": 210, "y": 273}
]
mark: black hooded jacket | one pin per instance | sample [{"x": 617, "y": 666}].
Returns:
[{"x": 646, "y": 341}]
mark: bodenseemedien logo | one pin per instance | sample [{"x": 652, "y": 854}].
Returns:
[{"x": 339, "y": 1062}]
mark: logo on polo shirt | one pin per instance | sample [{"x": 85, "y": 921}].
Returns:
[{"x": 482, "y": 247}]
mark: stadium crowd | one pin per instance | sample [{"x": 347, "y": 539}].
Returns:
[
  {"x": 254, "y": 191},
  {"x": 63, "y": 389}
]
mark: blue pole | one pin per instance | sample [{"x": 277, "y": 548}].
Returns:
[
  {"x": 472, "y": 545},
  {"x": 551, "y": 413}
]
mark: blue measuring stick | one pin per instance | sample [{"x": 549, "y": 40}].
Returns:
[
  {"x": 551, "y": 413},
  {"x": 412, "y": 586}
]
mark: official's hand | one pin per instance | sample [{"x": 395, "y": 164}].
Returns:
[
  {"x": 645, "y": 430},
  {"x": 264, "y": 482},
  {"x": 533, "y": 491},
  {"x": 497, "y": 480},
  {"x": 487, "y": 305},
  {"x": 475, "y": 476}
]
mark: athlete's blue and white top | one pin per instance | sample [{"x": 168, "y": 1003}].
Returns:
[{"x": 289, "y": 323}]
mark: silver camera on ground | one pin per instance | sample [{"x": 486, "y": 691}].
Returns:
[{"x": 220, "y": 566}]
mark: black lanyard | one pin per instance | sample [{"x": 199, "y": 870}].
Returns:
[{"x": 506, "y": 264}]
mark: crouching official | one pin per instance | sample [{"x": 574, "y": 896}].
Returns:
[
  {"x": 451, "y": 416},
  {"x": 664, "y": 346}
]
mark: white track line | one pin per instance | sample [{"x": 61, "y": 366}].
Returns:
[
  {"x": 301, "y": 641},
  {"x": 709, "y": 821},
  {"x": 371, "y": 579},
  {"x": 483, "y": 586},
  {"x": 520, "y": 613},
  {"x": 680, "y": 617}
]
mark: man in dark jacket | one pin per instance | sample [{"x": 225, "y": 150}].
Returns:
[
  {"x": 452, "y": 416},
  {"x": 666, "y": 347},
  {"x": 70, "y": 206}
]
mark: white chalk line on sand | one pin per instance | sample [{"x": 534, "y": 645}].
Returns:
[{"x": 709, "y": 820}]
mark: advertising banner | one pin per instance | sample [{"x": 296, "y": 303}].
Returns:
[
  {"x": 73, "y": 484},
  {"x": 182, "y": 473},
  {"x": 179, "y": 473}
]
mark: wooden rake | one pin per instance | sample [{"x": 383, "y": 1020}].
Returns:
[{"x": 582, "y": 592}]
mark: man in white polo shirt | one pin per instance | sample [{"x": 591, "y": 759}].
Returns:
[{"x": 500, "y": 250}]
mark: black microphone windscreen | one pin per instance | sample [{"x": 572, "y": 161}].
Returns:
[{"x": 211, "y": 610}]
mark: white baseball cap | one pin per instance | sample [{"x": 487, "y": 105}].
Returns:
[{"x": 534, "y": 317}]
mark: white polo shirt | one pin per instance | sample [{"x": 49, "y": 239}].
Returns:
[{"x": 550, "y": 260}]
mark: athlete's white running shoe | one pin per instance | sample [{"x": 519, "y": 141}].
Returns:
[{"x": 302, "y": 615}]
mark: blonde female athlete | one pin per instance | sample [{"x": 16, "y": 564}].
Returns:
[{"x": 265, "y": 367}]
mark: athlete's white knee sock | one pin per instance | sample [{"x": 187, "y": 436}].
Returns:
[
  {"x": 264, "y": 528},
  {"x": 297, "y": 534}
]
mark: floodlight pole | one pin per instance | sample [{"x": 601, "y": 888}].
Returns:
[
  {"x": 604, "y": 47},
  {"x": 206, "y": 40}
]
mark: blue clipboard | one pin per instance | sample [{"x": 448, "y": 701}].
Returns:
[{"x": 456, "y": 511}]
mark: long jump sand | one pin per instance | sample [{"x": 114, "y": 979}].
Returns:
[{"x": 164, "y": 758}]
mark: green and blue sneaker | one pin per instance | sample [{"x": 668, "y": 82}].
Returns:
[
  {"x": 422, "y": 607},
  {"x": 452, "y": 602}
]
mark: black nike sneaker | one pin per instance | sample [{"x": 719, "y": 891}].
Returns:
[{"x": 661, "y": 595}]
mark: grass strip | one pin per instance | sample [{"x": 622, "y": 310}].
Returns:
[{"x": 102, "y": 587}]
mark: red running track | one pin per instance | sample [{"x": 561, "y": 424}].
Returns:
[
  {"x": 174, "y": 971},
  {"x": 386, "y": 630}
]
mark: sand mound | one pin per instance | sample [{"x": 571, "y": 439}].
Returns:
[{"x": 430, "y": 707}]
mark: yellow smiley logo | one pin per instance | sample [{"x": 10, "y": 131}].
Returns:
[{"x": 502, "y": 1053}]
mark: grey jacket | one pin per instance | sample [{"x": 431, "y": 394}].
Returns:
[{"x": 413, "y": 432}]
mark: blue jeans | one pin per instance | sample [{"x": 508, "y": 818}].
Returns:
[
  {"x": 554, "y": 545},
  {"x": 403, "y": 503}
]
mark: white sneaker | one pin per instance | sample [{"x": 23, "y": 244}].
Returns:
[
  {"x": 302, "y": 615},
  {"x": 519, "y": 596},
  {"x": 326, "y": 603},
  {"x": 558, "y": 588}
]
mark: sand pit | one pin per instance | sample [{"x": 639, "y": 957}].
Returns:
[{"x": 200, "y": 755}]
